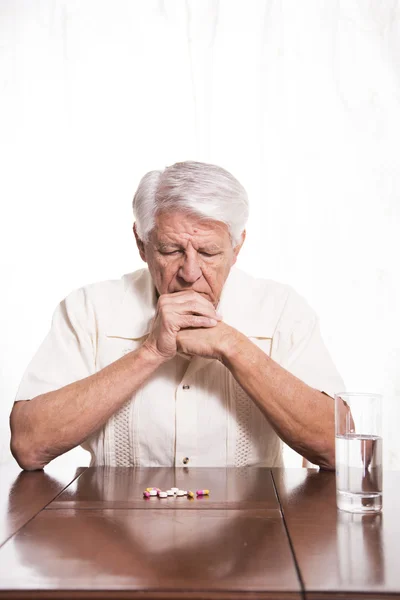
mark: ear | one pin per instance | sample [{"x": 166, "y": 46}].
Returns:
[
  {"x": 237, "y": 248},
  {"x": 139, "y": 244}
]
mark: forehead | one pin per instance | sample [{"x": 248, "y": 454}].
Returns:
[{"x": 180, "y": 227}]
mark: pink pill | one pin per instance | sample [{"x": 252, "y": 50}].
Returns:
[
  {"x": 146, "y": 494},
  {"x": 202, "y": 492}
]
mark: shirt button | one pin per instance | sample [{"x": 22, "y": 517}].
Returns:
[
  {"x": 186, "y": 387},
  {"x": 185, "y": 460}
]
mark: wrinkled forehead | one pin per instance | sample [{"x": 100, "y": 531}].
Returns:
[{"x": 181, "y": 226}]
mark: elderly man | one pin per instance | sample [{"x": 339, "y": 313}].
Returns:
[{"x": 188, "y": 362}]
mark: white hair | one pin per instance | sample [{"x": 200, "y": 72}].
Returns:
[{"x": 201, "y": 189}]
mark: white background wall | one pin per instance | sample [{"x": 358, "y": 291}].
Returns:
[{"x": 299, "y": 99}]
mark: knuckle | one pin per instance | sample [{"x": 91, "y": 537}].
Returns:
[
  {"x": 191, "y": 321},
  {"x": 192, "y": 306},
  {"x": 162, "y": 300},
  {"x": 196, "y": 321}
]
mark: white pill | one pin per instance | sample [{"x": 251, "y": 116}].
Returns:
[
  {"x": 170, "y": 492},
  {"x": 153, "y": 492},
  {"x": 162, "y": 494},
  {"x": 174, "y": 490},
  {"x": 181, "y": 493}
]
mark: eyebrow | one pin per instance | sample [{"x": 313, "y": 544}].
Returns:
[
  {"x": 167, "y": 246},
  {"x": 209, "y": 248},
  {"x": 164, "y": 246}
]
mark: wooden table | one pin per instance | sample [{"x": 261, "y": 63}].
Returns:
[{"x": 262, "y": 533}]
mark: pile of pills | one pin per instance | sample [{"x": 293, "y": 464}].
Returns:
[{"x": 175, "y": 492}]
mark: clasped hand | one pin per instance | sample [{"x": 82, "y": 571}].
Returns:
[{"x": 188, "y": 323}]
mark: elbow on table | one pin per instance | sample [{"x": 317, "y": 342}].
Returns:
[
  {"x": 25, "y": 456},
  {"x": 326, "y": 465},
  {"x": 322, "y": 463},
  {"x": 326, "y": 459},
  {"x": 21, "y": 445},
  {"x": 25, "y": 460},
  {"x": 323, "y": 456}
]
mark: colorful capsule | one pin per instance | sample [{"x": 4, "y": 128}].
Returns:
[
  {"x": 202, "y": 492},
  {"x": 146, "y": 494},
  {"x": 190, "y": 494}
]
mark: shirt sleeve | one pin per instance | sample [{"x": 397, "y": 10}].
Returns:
[
  {"x": 67, "y": 354},
  {"x": 300, "y": 348}
]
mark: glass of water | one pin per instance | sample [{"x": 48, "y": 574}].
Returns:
[{"x": 358, "y": 429}]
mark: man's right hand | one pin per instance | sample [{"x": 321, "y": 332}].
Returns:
[{"x": 174, "y": 312}]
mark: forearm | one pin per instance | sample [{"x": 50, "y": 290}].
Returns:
[
  {"x": 302, "y": 416},
  {"x": 53, "y": 423}
]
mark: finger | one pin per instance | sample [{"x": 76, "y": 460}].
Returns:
[
  {"x": 188, "y": 304},
  {"x": 196, "y": 322},
  {"x": 187, "y": 296},
  {"x": 195, "y": 308},
  {"x": 185, "y": 355}
]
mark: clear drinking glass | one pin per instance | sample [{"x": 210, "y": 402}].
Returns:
[{"x": 358, "y": 429}]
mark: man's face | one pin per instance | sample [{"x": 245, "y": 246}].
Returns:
[{"x": 187, "y": 253}]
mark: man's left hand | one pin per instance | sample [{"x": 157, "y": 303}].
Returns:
[{"x": 212, "y": 342}]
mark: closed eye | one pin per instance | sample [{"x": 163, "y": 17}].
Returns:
[{"x": 172, "y": 252}]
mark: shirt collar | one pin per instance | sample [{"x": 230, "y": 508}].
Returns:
[
  {"x": 243, "y": 305},
  {"x": 132, "y": 317}
]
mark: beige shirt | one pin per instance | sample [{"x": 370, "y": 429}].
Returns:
[{"x": 188, "y": 408}]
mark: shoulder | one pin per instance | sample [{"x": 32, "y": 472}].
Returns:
[
  {"x": 104, "y": 298},
  {"x": 109, "y": 290},
  {"x": 267, "y": 304}
]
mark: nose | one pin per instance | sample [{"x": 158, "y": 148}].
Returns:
[{"x": 190, "y": 270}]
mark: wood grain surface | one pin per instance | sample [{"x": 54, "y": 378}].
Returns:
[
  {"x": 262, "y": 533},
  {"x": 339, "y": 554},
  {"x": 151, "y": 551},
  {"x": 23, "y": 494},
  {"x": 122, "y": 487}
]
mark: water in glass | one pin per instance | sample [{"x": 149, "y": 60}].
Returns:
[{"x": 359, "y": 472}]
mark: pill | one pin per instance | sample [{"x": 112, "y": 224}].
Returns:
[
  {"x": 202, "y": 492},
  {"x": 162, "y": 494},
  {"x": 170, "y": 493},
  {"x": 149, "y": 489},
  {"x": 153, "y": 492},
  {"x": 181, "y": 493},
  {"x": 190, "y": 494},
  {"x": 146, "y": 494},
  {"x": 174, "y": 490}
]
